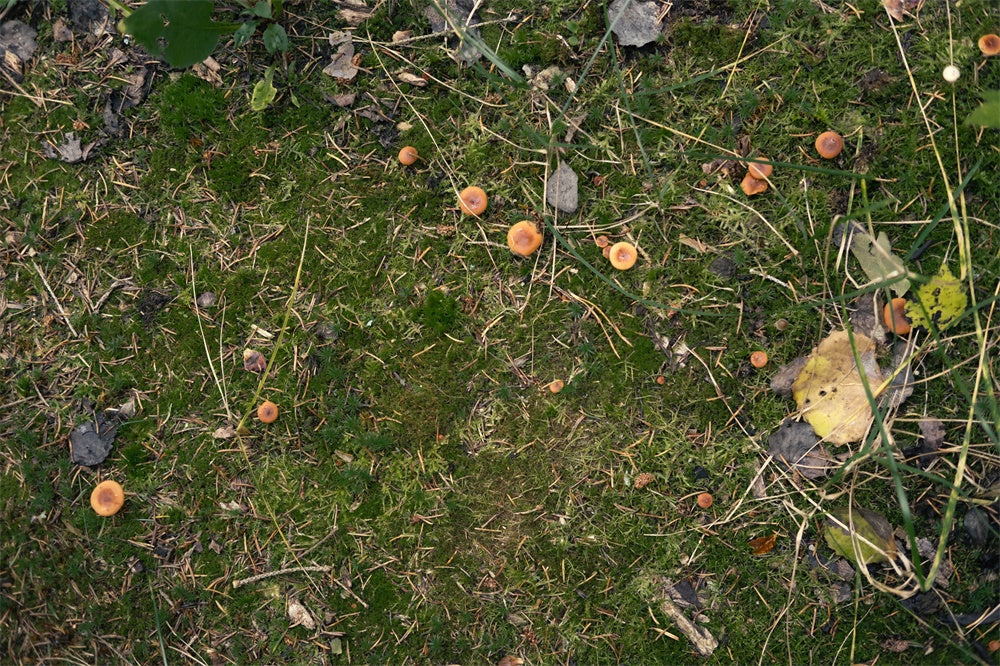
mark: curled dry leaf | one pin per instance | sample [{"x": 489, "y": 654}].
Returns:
[
  {"x": 763, "y": 545},
  {"x": 643, "y": 480},
  {"x": 300, "y": 615},
  {"x": 254, "y": 361},
  {"x": 224, "y": 432},
  {"x": 412, "y": 79}
]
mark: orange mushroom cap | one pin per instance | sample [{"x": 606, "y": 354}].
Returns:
[
  {"x": 989, "y": 44},
  {"x": 829, "y": 144},
  {"x": 760, "y": 170},
  {"x": 524, "y": 238},
  {"x": 472, "y": 200},
  {"x": 556, "y": 385},
  {"x": 705, "y": 500},
  {"x": 408, "y": 155},
  {"x": 894, "y": 316},
  {"x": 267, "y": 412},
  {"x": 623, "y": 255},
  {"x": 758, "y": 359},
  {"x": 107, "y": 498},
  {"x": 752, "y": 186}
]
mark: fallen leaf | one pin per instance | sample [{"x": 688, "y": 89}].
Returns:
[
  {"x": 412, "y": 79},
  {"x": 796, "y": 446},
  {"x": 300, "y": 615},
  {"x": 254, "y": 361},
  {"x": 830, "y": 391},
  {"x": 224, "y": 432},
  {"x": 939, "y": 302},
  {"x": 870, "y": 541},
  {"x": 877, "y": 260},
  {"x": 694, "y": 243},
  {"x": 91, "y": 442},
  {"x": 401, "y": 36},
  {"x": 18, "y": 38},
  {"x": 70, "y": 152},
  {"x": 561, "y": 190},
  {"x": 342, "y": 64},
  {"x": 763, "y": 545},
  {"x": 643, "y": 480}
]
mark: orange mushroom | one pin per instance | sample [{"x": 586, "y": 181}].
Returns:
[
  {"x": 894, "y": 316},
  {"x": 705, "y": 500},
  {"x": 758, "y": 359},
  {"x": 556, "y": 385},
  {"x": 752, "y": 186},
  {"x": 760, "y": 169},
  {"x": 829, "y": 144},
  {"x": 524, "y": 238},
  {"x": 472, "y": 200},
  {"x": 602, "y": 241},
  {"x": 989, "y": 44},
  {"x": 623, "y": 255},
  {"x": 408, "y": 155},
  {"x": 107, "y": 498},
  {"x": 267, "y": 412}
]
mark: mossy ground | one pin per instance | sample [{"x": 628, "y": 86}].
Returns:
[{"x": 464, "y": 511}]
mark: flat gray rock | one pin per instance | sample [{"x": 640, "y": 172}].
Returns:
[
  {"x": 561, "y": 192},
  {"x": 636, "y": 24},
  {"x": 91, "y": 442}
]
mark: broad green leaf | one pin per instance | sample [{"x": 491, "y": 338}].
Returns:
[
  {"x": 262, "y": 9},
  {"x": 244, "y": 33},
  {"x": 986, "y": 114},
  {"x": 181, "y": 32},
  {"x": 940, "y": 301},
  {"x": 869, "y": 542},
  {"x": 263, "y": 92},
  {"x": 275, "y": 38},
  {"x": 878, "y": 262}
]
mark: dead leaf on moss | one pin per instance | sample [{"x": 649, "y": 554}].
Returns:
[
  {"x": 342, "y": 63},
  {"x": 300, "y": 615},
  {"x": 939, "y": 302},
  {"x": 830, "y": 390},
  {"x": 861, "y": 535},
  {"x": 796, "y": 446}
]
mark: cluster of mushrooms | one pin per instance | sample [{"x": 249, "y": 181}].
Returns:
[
  {"x": 828, "y": 145},
  {"x": 524, "y": 237}
]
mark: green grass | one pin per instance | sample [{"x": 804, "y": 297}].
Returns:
[{"x": 464, "y": 512}]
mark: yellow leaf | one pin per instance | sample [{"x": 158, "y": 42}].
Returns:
[
  {"x": 829, "y": 389},
  {"x": 943, "y": 299},
  {"x": 869, "y": 541}
]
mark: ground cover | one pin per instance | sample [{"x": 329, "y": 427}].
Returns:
[{"x": 424, "y": 495}]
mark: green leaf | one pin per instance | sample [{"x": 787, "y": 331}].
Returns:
[
  {"x": 263, "y": 92},
  {"x": 262, "y": 9},
  {"x": 986, "y": 114},
  {"x": 275, "y": 38},
  {"x": 181, "y": 32},
  {"x": 244, "y": 33},
  {"x": 870, "y": 541}
]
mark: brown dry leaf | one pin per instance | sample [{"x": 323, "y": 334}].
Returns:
[
  {"x": 224, "y": 432},
  {"x": 763, "y": 545},
  {"x": 695, "y": 244},
  {"x": 412, "y": 79},
  {"x": 300, "y": 615},
  {"x": 830, "y": 391},
  {"x": 643, "y": 480}
]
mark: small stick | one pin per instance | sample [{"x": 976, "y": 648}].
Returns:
[
  {"x": 62, "y": 312},
  {"x": 279, "y": 572}
]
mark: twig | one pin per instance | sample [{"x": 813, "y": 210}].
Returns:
[
  {"x": 279, "y": 572},
  {"x": 59, "y": 306}
]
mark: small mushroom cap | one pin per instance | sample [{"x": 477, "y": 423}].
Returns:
[
  {"x": 472, "y": 200},
  {"x": 107, "y": 498},
  {"x": 623, "y": 255},
  {"x": 752, "y": 186},
  {"x": 267, "y": 412},
  {"x": 524, "y": 238},
  {"x": 894, "y": 316},
  {"x": 829, "y": 144},
  {"x": 758, "y": 359},
  {"x": 951, "y": 73},
  {"x": 760, "y": 170},
  {"x": 408, "y": 155},
  {"x": 989, "y": 44},
  {"x": 705, "y": 500}
]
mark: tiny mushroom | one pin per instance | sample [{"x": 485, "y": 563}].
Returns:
[
  {"x": 472, "y": 200},
  {"x": 758, "y": 359},
  {"x": 705, "y": 500},
  {"x": 556, "y": 385},
  {"x": 989, "y": 44},
  {"x": 951, "y": 73},
  {"x": 524, "y": 238},
  {"x": 894, "y": 316},
  {"x": 752, "y": 186},
  {"x": 107, "y": 498},
  {"x": 267, "y": 412},
  {"x": 829, "y": 144},
  {"x": 760, "y": 169},
  {"x": 408, "y": 155},
  {"x": 623, "y": 255}
]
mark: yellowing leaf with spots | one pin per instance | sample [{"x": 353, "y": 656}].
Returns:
[
  {"x": 940, "y": 301},
  {"x": 829, "y": 389}
]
